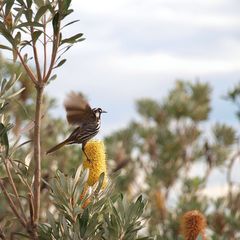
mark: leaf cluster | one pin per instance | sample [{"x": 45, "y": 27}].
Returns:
[
  {"x": 162, "y": 148},
  {"x": 105, "y": 216}
]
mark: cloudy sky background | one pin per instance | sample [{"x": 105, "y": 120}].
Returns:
[{"x": 139, "y": 48}]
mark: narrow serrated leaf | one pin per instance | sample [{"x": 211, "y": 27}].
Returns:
[
  {"x": 41, "y": 11},
  {"x": 77, "y": 175},
  {"x": 52, "y": 78},
  {"x": 6, "y": 34},
  {"x": 18, "y": 16},
  {"x": 72, "y": 39},
  {"x": 28, "y": 24},
  {"x": 14, "y": 94},
  {"x": 70, "y": 23},
  {"x": 36, "y": 35},
  {"x": 60, "y": 63},
  {"x": 8, "y": 7},
  {"x": 5, "y": 47},
  {"x": 83, "y": 221},
  {"x": 4, "y": 138},
  {"x": 55, "y": 23}
]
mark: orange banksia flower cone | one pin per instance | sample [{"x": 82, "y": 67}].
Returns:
[{"x": 193, "y": 224}]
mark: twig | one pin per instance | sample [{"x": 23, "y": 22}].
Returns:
[
  {"x": 36, "y": 57},
  {"x": 14, "y": 189},
  {"x": 26, "y": 67},
  {"x": 55, "y": 46},
  {"x": 31, "y": 208},
  {"x": 20, "y": 177},
  {"x": 37, "y": 153},
  {"x": 44, "y": 47},
  {"x": 11, "y": 204},
  {"x": 229, "y": 176},
  {"x": 2, "y": 235}
]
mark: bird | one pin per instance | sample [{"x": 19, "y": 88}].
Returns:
[{"x": 86, "y": 119}]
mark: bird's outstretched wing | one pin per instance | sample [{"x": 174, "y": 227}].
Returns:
[{"x": 77, "y": 108}]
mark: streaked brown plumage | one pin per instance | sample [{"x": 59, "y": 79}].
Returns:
[{"x": 80, "y": 114}]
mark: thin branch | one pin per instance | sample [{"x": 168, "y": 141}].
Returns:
[
  {"x": 26, "y": 67},
  {"x": 31, "y": 208},
  {"x": 207, "y": 174},
  {"x": 37, "y": 153},
  {"x": 229, "y": 176},
  {"x": 36, "y": 57},
  {"x": 14, "y": 189},
  {"x": 20, "y": 177},
  {"x": 55, "y": 46},
  {"x": 11, "y": 204},
  {"x": 2, "y": 235},
  {"x": 44, "y": 47}
]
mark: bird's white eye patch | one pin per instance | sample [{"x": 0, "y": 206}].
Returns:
[{"x": 97, "y": 114}]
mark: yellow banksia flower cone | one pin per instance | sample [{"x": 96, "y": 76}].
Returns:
[
  {"x": 95, "y": 151},
  {"x": 193, "y": 224}
]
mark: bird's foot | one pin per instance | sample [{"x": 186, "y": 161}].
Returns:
[{"x": 88, "y": 159}]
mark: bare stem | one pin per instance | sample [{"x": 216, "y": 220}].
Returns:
[
  {"x": 55, "y": 46},
  {"x": 19, "y": 176},
  {"x": 32, "y": 227},
  {"x": 27, "y": 69},
  {"x": 14, "y": 189},
  {"x": 37, "y": 153},
  {"x": 44, "y": 47},
  {"x": 31, "y": 208},
  {"x": 11, "y": 204},
  {"x": 229, "y": 176},
  {"x": 2, "y": 235},
  {"x": 36, "y": 57}
]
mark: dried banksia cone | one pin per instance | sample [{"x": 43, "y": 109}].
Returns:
[
  {"x": 160, "y": 203},
  {"x": 193, "y": 224},
  {"x": 218, "y": 223},
  {"x": 96, "y": 162}
]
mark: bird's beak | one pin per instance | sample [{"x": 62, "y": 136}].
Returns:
[{"x": 104, "y": 111}]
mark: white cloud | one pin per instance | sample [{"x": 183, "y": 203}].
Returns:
[
  {"x": 164, "y": 63},
  {"x": 185, "y": 12},
  {"x": 217, "y": 191}
]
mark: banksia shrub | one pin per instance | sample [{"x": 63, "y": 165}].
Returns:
[
  {"x": 193, "y": 224},
  {"x": 90, "y": 213}
]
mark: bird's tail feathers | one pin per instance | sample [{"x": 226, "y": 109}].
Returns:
[{"x": 55, "y": 148}]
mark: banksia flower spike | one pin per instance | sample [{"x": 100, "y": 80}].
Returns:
[
  {"x": 193, "y": 224},
  {"x": 218, "y": 223},
  {"x": 160, "y": 203},
  {"x": 96, "y": 162}
]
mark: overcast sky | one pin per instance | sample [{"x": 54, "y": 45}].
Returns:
[{"x": 138, "y": 48}]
